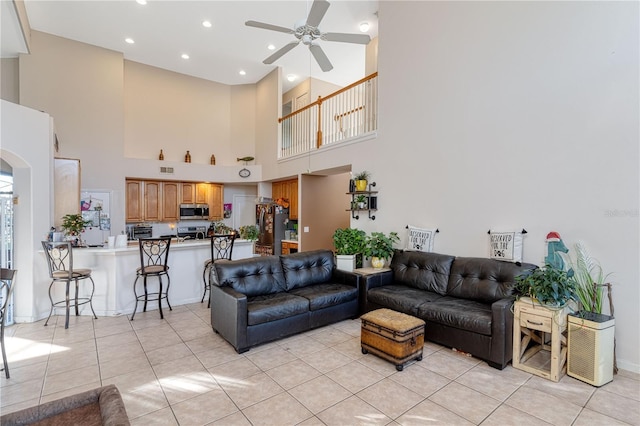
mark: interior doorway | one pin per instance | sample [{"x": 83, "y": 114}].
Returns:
[{"x": 6, "y": 225}]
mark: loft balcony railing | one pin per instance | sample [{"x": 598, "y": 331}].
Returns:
[{"x": 343, "y": 115}]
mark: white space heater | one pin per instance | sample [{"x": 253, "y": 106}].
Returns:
[{"x": 590, "y": 347}]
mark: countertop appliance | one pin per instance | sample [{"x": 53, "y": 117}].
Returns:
[
  {"x": 194, "y": 232},
  {"x": 194, "y": 211},
  {"x": 271, "y": 220},
  {"x": 139, "y": 231}
]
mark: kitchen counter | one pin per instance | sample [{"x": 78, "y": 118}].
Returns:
[
  {"x": 114, "y": 271},
  {"x": 290, "y": 241}
]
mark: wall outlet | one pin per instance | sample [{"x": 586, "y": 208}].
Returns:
[{"x": 305, "y": 229}]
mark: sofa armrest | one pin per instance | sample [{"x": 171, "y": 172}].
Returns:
[
  {"x": 229, "y": 316},
  {"x": 367, "y": 282},
  {"x": 502, "y": 331},
  {"x": 346, "y": 277}
]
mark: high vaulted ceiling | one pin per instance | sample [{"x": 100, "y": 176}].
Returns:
[{"x": 165, "y": 30}]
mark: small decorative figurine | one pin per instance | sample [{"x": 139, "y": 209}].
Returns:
[
  {"x": 187, "y": 157},
  {"x": 213, "y": 160},
  {"x": 161, "y": 156},
  {"x": 555, "y": 246}
]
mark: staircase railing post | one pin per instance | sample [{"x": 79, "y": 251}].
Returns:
[{"x": 319, "y": 135}]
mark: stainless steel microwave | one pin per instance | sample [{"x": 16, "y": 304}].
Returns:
[{"x": 194, "y": 211}]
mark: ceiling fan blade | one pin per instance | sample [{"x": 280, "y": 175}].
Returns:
[
  {"x": 274, "y": 57},
  {"x": 271, "y": 27},
  {"x": 321, "y": 58},
  {"x": 347, "y": 38},
  {"x": 318, "y": 9}
]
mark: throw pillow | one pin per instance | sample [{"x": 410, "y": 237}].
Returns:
[
  {"x": 505, "y": 246},
  {"x": 420, "y": 239}
]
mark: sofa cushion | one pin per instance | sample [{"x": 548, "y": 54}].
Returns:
[
  {"x": 328, "y": 294},
  {"x": 253, "y": 276},
  {"x": 272, "y": 307},
  {"x": 425, "y": 271},
  {"x": 307, "y": 268},
  {"x": 459, "y": 313},
  {"x": 401, "y": 298},
  {"x": 484, "y": 280}
]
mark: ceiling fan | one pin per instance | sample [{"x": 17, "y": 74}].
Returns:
[{"x": 310, "y": 35}]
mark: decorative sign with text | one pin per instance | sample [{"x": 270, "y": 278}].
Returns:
[
  {"x": 506, "y": 246},
  {"x": 420, "y": 239}
]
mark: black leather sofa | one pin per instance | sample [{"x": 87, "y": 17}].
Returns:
[
  {"x": 265, "y": 298},
  {"x": 465, "y": 301}
]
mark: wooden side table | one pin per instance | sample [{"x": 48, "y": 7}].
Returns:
[{"x": 539, "y": 339}]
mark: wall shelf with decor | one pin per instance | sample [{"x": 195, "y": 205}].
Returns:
[{"x": 364, "y": 201}]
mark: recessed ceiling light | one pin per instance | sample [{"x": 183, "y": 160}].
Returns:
[
  {"x": 364, "y": 27},
  {"x": 242, "y": 72},
  {"x": 129, "y": 40},
  {"x": 291, "y": 77},
  {"x": 185, "y": 56},
  {"x": 271, "y": 47},
  {"x": 206, "y": 24},
  {"x": 142, "y": 2}
]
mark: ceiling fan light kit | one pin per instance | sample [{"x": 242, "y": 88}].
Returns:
[{"x": 309, "y": 34}]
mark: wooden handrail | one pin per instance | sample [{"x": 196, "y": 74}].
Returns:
[{"x": 331, "y": 95}]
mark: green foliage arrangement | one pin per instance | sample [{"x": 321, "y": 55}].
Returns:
[
  {"x": 249, "y": 232},
  {"x": 549, "y": 286},
  {"x": 364, "y": 175},
  {"x": 589, "y": 279},
  {"x": 348, "y": 241},
  {"x": 74, "y": 224},
  {"x": 221, "y": 228},
  {"x": 381, "y": 245}
]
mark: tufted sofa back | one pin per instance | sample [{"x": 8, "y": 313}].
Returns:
[
  {"x": 253, "y": 276},
  {"x": 425, "y": 271},
  {"x": 485, "y": 280},
  {"x": 307, "y": 268}
]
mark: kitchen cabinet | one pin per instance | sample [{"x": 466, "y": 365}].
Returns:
[
  {"x": 202, "y": 193},
  {"x": 170, "y": 209},
  {"x": 134, "y": 201},
  {"x": 288, "y": 190},
  {"x": 152, "y": 202},
  {"x": 216, "y": 203},
  {"x": 188, "y": 194},
  {"x": 289, "y": 247}
]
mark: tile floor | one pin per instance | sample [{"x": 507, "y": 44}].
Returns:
[{"x": 177, "y": 371}]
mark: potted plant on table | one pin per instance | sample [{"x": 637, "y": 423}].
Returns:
[
  {"x": 249, "y": 232},
  {"x": 549, "y": 286},
  {"x": 73, "y": 226},
  {"x": 380, "y": 247},
  {"x": 350, "y": 245},
  {"x": 361, "y": 179}
]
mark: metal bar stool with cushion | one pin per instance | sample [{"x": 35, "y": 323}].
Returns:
[
  {"x": 6, "y": 288},
  {"x": 154, "y": 254},
  {"x": 221, "y": 248},
  {"x": 60, "y": 260}
]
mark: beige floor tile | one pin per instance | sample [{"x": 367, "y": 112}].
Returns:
[
  {"x": 567, "y": 389},
  {"x": 350, "y": 348},
  {"x": 492, "y": 382},
  {"x": 616, "y": 406},
  {"x": 351, "y": 327},
  {"x": 66, "y": 351},
  {"x": 352, "y": 411},
  {"x": 624, "y": 386},
  {"x": 251, "y": 390},
  {"x": 194, "y": 332},
  {"x": 355, "y": 376},
  {"x": 590, "y": 418},
  {"x": 446, "y": 365},
  {"x": 116, "y": 340},
  {"x": 380, "y": 365},
  {"x": 218, "y": 355},
  {"x": 205, "y": 343},
  {"x": 231, "y": 371},
  {"x": 163, "y": 417},
  {"x": 545, "y": 406},
  {"x": 331, "y": 336},
  {"x": 430, "y": 413},
  {"x": 420, "y": 380},
  {"x": 326, "y": 360},
  {"x": 71, "y": 391},
  {"x": 143, "y": 399},
  {"x": 181, "y": 388},
  {"x": 19, "y": 406},
  {"x": 23, "y": 374},
  {"x": 204, "y": 409},
  {"x": 319, "y": 394},
  {"x": 505, "y": 415},
  {"x": 133, "y": 380},
  {"x": 293, "y": 373},
  {"x": 72, "y": 362},
  {"x": 280, "y": 409},
  {"x": 628, "y": 374},
  {"x": 235, "y": 419},
  {"x": 270, "y": 358},
  {"x": 178, "y": 367},
  {"x": 168, "y": 353},
  {"x": 390, "y": 397},
  {"x": 71, "y": 379},
  {"x": 129, "y": 350},
  {"x": 124, "y": 365},
  {"x": 157, "y": 342},
  {"x": 16, "y": 394},
  {"x": 114, "y": 329},
  {"x": 312, "y": 421},
  {"x": 302, "y": 345},
  {"x": 465, "y": 402}
]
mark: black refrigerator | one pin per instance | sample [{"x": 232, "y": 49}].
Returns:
[{"x": 272, "y": 221}]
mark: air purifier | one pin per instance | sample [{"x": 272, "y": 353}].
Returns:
[{"x": 590, "y": 347}]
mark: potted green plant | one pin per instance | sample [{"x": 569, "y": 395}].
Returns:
[
  {"x": 361, "y": 179},
  {"x": 350, "y": 245},
  {"x": 361, "y": 201},
  {"x": 589, "y": 278},
  {"x": 549, "y": 286},
  {"x": 249, "y": 232},
  {"x": 73, "y": 226},
  {"x": 380, "y": 247}
]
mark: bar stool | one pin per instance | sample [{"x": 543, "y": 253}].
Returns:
[
  {"x": 154, "y": 254},
  {"x": 221, "y": 248},
  {"x": 60, "y": 260},
  {"x": 6, "y": 288}
]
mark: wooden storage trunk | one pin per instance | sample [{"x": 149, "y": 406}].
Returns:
[{"x": 393, "y": 336}]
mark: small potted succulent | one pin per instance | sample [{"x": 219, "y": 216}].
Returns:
[
  {"x": 380, "y": 247},
  {"x": 361, "y": 179}
]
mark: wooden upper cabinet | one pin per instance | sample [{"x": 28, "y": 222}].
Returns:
[
  {"x": 202, "y": 193},
  {"x": 170, "y": 196},
  {"x": 134, "y": 200},
  {"x": 188, "y": 195},
  {"x": 152, "y": 201},
  {"x": 216, "y": 206},
  {"x": 293, "y": 199}
]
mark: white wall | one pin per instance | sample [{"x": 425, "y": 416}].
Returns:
[{"x": 510, "y": 115}]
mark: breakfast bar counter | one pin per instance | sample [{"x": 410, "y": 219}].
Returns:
[{"x": 114, "y": 271}]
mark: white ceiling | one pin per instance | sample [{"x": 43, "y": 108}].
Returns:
[{"x": 164, "y": 30}]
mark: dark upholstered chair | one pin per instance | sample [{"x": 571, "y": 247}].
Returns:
[
  {"x": 6, "y": 288},
  {"x": 221, "y": 248},
  {"x": 60, "y": 261},
  {"x": 154, "y": 255}
]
